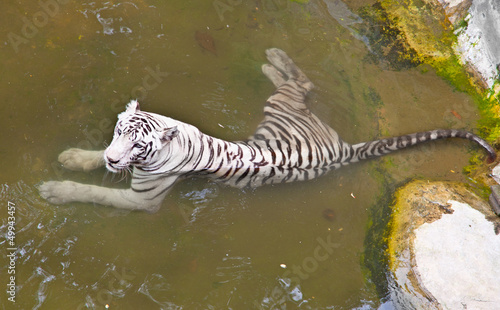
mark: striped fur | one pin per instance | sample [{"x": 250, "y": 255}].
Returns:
[{"x": 290, "y": 144}]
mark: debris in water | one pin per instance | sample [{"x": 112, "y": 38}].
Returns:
[
  {"x": 329, "y": 214},
  {"x": 206, "y": 41},
  {"x": 455, "y": 113},
  {"x": 193, "y": 265}
]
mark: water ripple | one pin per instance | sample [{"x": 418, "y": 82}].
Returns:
[
  {"x": 156, "y": 287},
  {"x": 38, "y": 241},
  {"x": 109, "y": 24}
]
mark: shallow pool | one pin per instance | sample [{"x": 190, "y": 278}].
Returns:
[{"x": 68, "y": 70}]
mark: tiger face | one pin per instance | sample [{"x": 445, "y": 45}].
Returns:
[{"x": 137, "y": 139}]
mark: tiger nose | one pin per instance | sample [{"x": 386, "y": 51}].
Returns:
[{"x": 111, "y": 160}]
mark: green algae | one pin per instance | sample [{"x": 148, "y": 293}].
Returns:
[
  {"x": 388, "y": 43},
  {"x": 453, "y": 72},
  {"x": 376, "y": 257}
]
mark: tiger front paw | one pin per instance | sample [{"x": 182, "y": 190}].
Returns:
[
  {"x": 58, "y": 192},
  {"x": 78, "y": 159}
]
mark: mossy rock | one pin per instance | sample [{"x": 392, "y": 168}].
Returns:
[{"x": 416, "y": 203}]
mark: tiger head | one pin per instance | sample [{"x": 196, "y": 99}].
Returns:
[{"x": 138, "y": 137}]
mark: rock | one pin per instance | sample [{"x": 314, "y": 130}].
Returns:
[
  {"x": 494, "y": 199},
  {"x": 477, "y": 43},
  {"x": 423, "y": 31},
  {"x": 455, "y": 10},
  {"x": 495, "y": 173},
  {"x": 457, "y": 258},
  {"x": 443, "y": 248}
]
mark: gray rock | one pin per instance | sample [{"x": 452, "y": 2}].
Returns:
[
  {"x": 457, "y": 258},
  {"x": 444, "y": 248},
  {"x": 477, "y": 43},
  {"x": 495, "y": 199},
  {"x": 455, "y": 10}
]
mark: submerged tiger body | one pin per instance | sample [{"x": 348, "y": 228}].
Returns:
[{"x": 290, "y": 144}]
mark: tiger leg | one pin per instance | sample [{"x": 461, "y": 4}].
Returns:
[
  {"x": 285, "y": 64},
  {"x": 81, "y": 160},
  {"x": 63, "y": 192}
]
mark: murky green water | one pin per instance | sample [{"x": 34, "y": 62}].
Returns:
[{"x": 68, "y": 69}]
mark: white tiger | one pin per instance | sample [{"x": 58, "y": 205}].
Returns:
[{"x": 290, "y": 144}]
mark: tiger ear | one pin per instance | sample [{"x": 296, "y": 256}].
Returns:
[
  {"x": 168, "y": 134},
  {"x": 133, "y": 107}
]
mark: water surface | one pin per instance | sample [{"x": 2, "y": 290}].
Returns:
[{"x": 64, "y": 79}]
